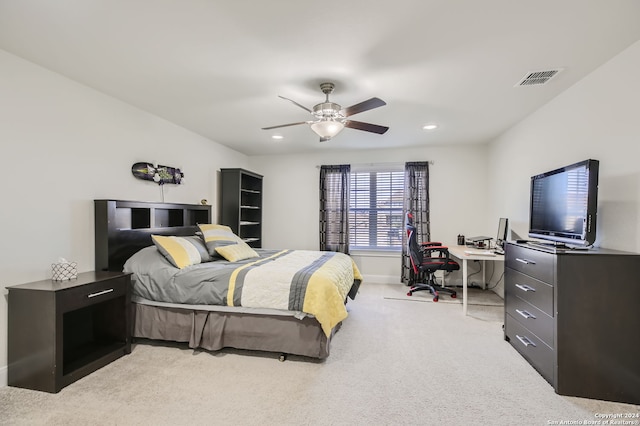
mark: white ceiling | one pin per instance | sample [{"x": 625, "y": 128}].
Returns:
[{"x": 216, "y": 67}]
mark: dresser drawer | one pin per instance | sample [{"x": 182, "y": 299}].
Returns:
[
  {"x": 530, "y": 290},
  {"x": 531, "y": 317},
  {"x": 537, "y": 264},
  {"x": 88, "y": 294},
  {"x": 539, "y": 355}
]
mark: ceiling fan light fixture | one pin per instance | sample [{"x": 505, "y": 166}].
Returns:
[
  {"x": 330, "y": 118},
  {"x": 327, "y": 128}
]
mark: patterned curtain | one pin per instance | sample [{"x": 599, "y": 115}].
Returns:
[
  {"x": 334, "y": 208},
  {"x": 416, "y": 201}
]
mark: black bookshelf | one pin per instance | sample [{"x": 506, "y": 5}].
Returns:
[{"x": 241, "y": 204}]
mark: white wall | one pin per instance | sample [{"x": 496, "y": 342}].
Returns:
[
  {"x": 457, "y": 192},
  {"x": 64, "y": 145},
  {"x": 596, "y": 118}
]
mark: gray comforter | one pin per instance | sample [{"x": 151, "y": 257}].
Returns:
[{"x": 296, "y": 280}]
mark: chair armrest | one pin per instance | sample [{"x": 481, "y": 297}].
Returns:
[
  {"x": 428, "y": 249},
  {"x": 441, "y": 251},
  {"x": 431, "y": 243}
]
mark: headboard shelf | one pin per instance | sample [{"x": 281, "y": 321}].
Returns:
[
  {"x": 132, "y": 217},
  {"x": 124, "y": 227}
]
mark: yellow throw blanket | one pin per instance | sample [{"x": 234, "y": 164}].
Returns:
[{"x": 313, "y": 282}]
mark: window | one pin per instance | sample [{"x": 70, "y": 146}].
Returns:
[{"x": 375, "y": 210}]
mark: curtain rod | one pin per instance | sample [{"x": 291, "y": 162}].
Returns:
[{"x": 431, "y": 163}]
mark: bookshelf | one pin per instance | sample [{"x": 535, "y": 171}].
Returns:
[{"x": 241, "y": 204}]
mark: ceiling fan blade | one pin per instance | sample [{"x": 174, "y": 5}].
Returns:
[
  {"x": 367, "y": 127},
  {"x": 295, "y": 103},
  {"x": 364, "y": 106},
  {"x": 286, "y": 125}
]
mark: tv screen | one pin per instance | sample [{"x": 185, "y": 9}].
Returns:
[{"x": 563, "y": 205}]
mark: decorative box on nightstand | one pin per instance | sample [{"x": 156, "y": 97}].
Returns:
[{"x": 60, "y": 331}]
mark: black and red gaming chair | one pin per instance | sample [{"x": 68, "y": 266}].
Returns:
[{"x": 426, "y": 259}]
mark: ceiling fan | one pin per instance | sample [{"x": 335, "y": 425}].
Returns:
[{"x": 330, "y": 118}]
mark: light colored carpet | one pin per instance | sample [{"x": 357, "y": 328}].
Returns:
[
  {"x": 394, "y": 362},
  {"x": 481, "y": 304}
]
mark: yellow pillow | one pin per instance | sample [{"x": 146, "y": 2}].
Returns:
[
  {"x": 182, "y": 251},
  {"x": 216, "y": 236},
  {"x": 235, "y": 252}
]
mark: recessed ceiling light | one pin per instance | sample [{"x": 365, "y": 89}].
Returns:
[
  {"x": 430, "y": 126},
  {"x": 277, "y": 137}
]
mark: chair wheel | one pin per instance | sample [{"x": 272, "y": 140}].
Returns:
[
  {"x": 453, "y": 296},
  {"x": 435, "y": 299},
  {"x": 409, "y": 294}
]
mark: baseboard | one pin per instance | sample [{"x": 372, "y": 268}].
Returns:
[
  {"x": 380, "y": 279},
  {"x": 394, "y": 279},
  {"x": 3, "y": 376}
]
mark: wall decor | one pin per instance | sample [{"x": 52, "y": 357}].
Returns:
[{"x": 158, "y": 174}]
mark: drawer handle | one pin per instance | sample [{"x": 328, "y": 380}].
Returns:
[
  {"x": 100, "y": 293},
  {"x": 525, "y": 287},
  {"x": 525, "y": 341},
  {"x": 525, "y": 314},
  {"x": 525, "y": 261}
]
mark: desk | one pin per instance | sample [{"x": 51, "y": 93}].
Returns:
[{"x": 459, "y": 253}]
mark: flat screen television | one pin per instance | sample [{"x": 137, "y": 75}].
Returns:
[{"x": 563, "y": 206}]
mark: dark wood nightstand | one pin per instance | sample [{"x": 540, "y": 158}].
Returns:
[{"x": 60, "y": 331}]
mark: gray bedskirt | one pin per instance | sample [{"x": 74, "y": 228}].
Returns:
[{"x": 213, "y": 330}]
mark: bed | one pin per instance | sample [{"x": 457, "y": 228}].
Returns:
[{"x": 283, "y": 301}]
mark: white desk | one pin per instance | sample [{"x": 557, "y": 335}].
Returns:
[{"x": 459, "y": 253}]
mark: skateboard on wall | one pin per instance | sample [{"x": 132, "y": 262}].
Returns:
[{"x": 158, "y": 174}]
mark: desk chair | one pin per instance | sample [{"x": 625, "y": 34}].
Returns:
[{"x": 426, "y": 259}]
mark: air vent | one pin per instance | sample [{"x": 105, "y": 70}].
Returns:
[{"x": 536, "y": 78}]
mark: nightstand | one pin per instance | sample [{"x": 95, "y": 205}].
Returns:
[{"x": 60, "y": 331}]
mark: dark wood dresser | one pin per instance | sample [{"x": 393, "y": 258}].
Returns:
[
  {"x": 60, "y": 331},
  {"x": 575, "y": 317}
]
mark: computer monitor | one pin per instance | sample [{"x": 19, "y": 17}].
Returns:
[{"x": 502, "y": 232}]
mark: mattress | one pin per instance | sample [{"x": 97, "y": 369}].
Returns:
[{"x": 281, "y": 282}]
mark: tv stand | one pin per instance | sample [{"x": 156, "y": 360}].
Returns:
[{"x": 571, "y": 315}]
